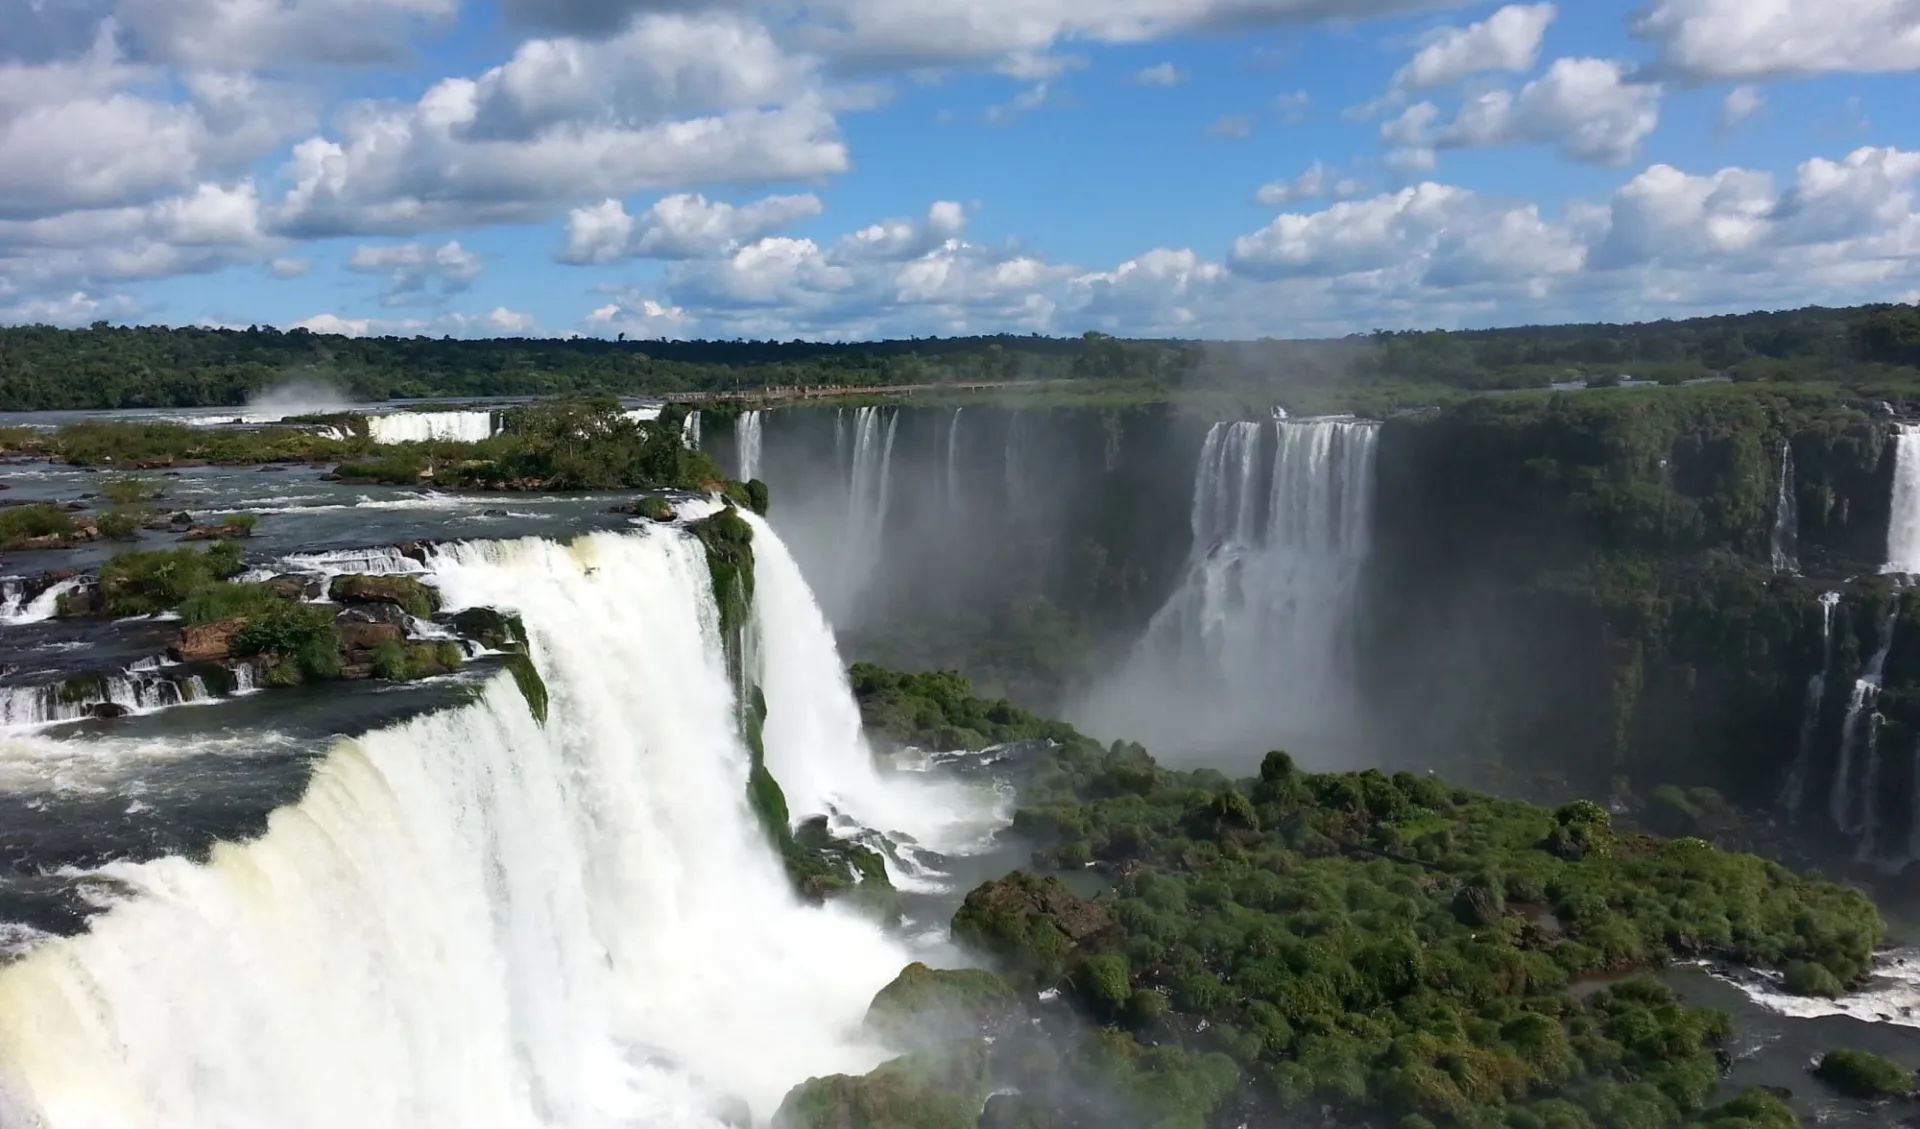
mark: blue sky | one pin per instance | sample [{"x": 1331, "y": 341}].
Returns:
[{"x": 872, "y": 168}]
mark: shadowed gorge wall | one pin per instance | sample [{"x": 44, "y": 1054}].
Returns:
[
  {"x": 1022, "y": 546},
  {"x": 1583, "y": 590}
]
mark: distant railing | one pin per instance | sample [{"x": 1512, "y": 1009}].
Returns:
[{"x": 818, "y": 391}]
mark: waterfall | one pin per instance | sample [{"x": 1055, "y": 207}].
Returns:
[
  {"x": 869, "y": 482},
  {"x": 953, "y": 461},
  {"x": 472, "y": 919},
  {"x": 1903, "y": 526},
  {"x": 746, "y": 439},
  {"x": 690, "y": 430},
  {"x": 1816, "y": 696},
  {"x": 1866, "y": 692},
  {"x": 815, "y": 745},
  {"x": 15, "y": 609},
  {"x": 1786, "y": 517},
  {"x": 1254, "y": 645},
  {"x": 421, "y": 427}
]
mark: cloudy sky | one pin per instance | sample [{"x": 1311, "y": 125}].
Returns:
[{"x": 873, "y": 168}]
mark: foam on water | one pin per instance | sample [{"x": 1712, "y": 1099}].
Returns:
[{"x": 473, "y": 920}]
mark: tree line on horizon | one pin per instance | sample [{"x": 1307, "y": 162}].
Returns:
[{"x": 106, "y": 366}]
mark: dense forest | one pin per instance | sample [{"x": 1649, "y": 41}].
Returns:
[{"x": 106, "y": 366}]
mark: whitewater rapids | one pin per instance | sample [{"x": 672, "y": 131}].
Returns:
[{"x": 472, "y": 920}]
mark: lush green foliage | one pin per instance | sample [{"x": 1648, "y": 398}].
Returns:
[
  {"x": 225, "y": 600},
  {"x": 298, "y": 641},
  {"x": 105, "y": 444},
  {"x": 22, "y": 523},
  {"x": 552, "y": 445},
  {"x": 1391, "y": 949},
  {"x": 938, "y": 710},
  {"x": 104, "y": 367},
  {"x": 1863, "y": 1074},
  {"x": 151, "y": 582}
]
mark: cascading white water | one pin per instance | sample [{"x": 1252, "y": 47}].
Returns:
[
  {"x": 747, "y": 439},
  {"x": 43, "y": 607},
  {"x": 1903, "y": 525},
  {"x": 690, "y": 430},
  {"x": 472, "y": 920},
  {"x": 137, "y": 689},
  {"x": 814, "y": 742},
  {"x": 421, "y": 427},
  {"x": 1866, "y": 692},
  {"x": 1785, "y": 543},
  {"x": 1794, "y": 793},
  {"x": 869, "y": 485},
  {"x": 1254, "y": 645},
  {"x": 953, "y": 461}
]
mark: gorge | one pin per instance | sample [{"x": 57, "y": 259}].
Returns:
[{"x": 637, "y": 858}]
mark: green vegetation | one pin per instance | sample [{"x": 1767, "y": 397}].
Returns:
[
  {"x": 404, "y": 592},
  {"x": 1863, "y": 1074},
  {"x": 1384, "y": 950},
  {"x": 153, "y": 445},
  {"x": 157, "y": 367},
  {"x": 937, "y": 710},
  {"x": 582, "y": 444},
  {"x": 23, "y": 526},
  {"x": 219, "y": 600},
  {"x": 297, "y": 643},
  {"x": 532, "y": 687},
  {"x": 153, "y": 582}
]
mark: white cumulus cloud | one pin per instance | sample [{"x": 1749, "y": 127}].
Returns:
[
  {"x": 417, "y": 273},
  {"x": 1759, "y": 39},
  {"x": 681, "y": 226},
  {"x": 1508, "y": 40}
]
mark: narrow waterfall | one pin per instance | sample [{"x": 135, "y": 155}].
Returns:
[
  {"x": 1795, "y": 791},
  {"x": 1903, "y": 526},
  {"x": 473, "y": 919},
  {"x": 1254, "y": 646},
  {"x": 1786, "y": 518},
  {"x": 815, "y": 745},
  {"x": 869, "y": 482},
  {"x": 1843, "y": 800},
  {"x": 746, "y": 439},
  {"x": 421, "y": 427},
  {"x": 15, "y": 608},
  {"x": 690, "y": 430},
  {"x": 953, "y": 460}
]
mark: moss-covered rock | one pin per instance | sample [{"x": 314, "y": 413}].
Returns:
[
  {"x": 923, "y": 1091},
  {"x": 489, "y": 627},
  {"x": 927, "y": 1006},
  {"x": 532, "y": 687},
  {"x": 417, "y": 599},
  {"x": 1863, "y": 1074},
  {"x": 1031, "y": 924}
]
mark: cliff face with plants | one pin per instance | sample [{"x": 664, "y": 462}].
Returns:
[{"x": 1613, "y": 592}]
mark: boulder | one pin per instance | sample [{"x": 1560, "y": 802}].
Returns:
[
  {"x": 653, "y": 507},
  {"x": 401, "y": 591},
  {"x": 356, "y": 672},
  {"x": 492, "y": 629},
  {"x": 392, "y": 614},
  {"x": 296, "y": 586},
  {"x": 206, "y": 642},
  {"x": 926, "y": 1006},
  {"x": 182, "y": 520},
  {"x": 107, "y": 710},
  {"x": 217, "y": 533},
  {"x": 357, "y": 636}
]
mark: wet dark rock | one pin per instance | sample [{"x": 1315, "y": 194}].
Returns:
[
  {"x": 493, "y": 513},
  {"x": 491, "y": 629},
  {"x": 223, "y": 532},
  {"x": 392, "y": 615},
  {"x": 296, "y": 586},
  {"x": 401, "y": 591},
  {"x": 368, "y": 636},
  {"x": 107, "y": 710},
  {"x": 652, "y": 507}
]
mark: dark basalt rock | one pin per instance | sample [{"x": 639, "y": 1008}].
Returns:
[
  {"x": 385, "y": 614},
  {"x": 297, "y": 586},
  {"x": 107, "y": 710}
]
